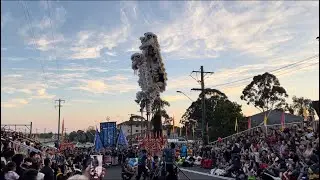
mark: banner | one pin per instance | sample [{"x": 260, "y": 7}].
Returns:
[
  {"x": 122, "y": 140},
  {"x": 97, "y": 141},
  {"x": 108, "y": 131}
]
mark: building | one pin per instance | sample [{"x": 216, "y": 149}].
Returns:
[
  {"x": 274, "y": 118},
  {"x": 137, "y": 127}
]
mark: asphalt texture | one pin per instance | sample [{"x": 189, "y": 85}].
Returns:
[{"x": 114, "y": 173}]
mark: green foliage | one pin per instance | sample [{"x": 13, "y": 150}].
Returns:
[
  {"x": 82, "y": 136},
  {"x": 298, "y": 104},
  {"x": 46, "y": 135},
  {"x": 221, "y": 114},
  {"x": 265, "y": 92}
]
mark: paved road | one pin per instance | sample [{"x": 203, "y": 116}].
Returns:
[{"x": 113, "y": 173}]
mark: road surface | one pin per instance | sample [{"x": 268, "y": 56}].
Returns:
[{"x": 194, "y": 173}]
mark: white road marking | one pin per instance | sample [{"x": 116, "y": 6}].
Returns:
[{"x": 206, "y": 174}]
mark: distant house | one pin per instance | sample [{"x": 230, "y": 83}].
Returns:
[
  {"x": 137, "y": 126},
  {"x": 274, "y": 118}
]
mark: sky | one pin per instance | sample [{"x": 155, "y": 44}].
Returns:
[{"x": 79, "y": 51}]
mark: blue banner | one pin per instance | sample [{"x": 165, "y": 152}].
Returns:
[
  {"x": 122, "y": 140},
  {"x": 108, "y": 131},
  {"x": 97, "y": 141}
]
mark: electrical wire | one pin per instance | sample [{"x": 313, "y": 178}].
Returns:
[
  {"x": 286, "y": 66},
  {"x": 28, "y": 19},
  {"x": 299, "y": 68},
  {"x": 52, "y": 34}
]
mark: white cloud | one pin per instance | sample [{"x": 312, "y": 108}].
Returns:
[
  {"x": 209, "y": 28},
  {"x": 174, "y": 98},
  {"x": 111, "y": 54},
  {"x": 45, "y": 43},
  {"x": 94, "y": 86},
  {"x": 14, "y": 103},
  {"x": 102, "y": 86},
  {"x": 41, "y": 92},
  {"x": 89, "y": 43},
  {"x": 11, "y": 90}
]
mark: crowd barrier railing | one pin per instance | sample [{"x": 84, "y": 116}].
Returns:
[
  {"x": 251, "y": 131},
  {"x": 19, "y": 135}
]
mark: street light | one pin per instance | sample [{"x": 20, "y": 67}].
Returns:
[{"x": 185, "y": 95}]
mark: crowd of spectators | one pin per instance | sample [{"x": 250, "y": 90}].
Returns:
[
  {"x": 38, "y": 162},
  {"x": 288, "y": 154}
]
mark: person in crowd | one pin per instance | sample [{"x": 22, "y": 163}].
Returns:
[
  {"x": 30, "y": 174},
  {"x": 18, "y": 159},
  {"x": 142, "y": 162},
  {"x": 46, "y": 170},
  {"x": 168, "y": 155},
  {"x": 10, "y": 172},
  {"x": 36, "y": 166},
  {"x": 78, "y": 177},
  {"x": 127, "y": 171}
]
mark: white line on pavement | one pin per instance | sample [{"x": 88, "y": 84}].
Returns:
[{"x": 206, "y": 174}]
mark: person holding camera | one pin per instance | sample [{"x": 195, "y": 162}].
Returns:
[{"x": 168, "y": 155}]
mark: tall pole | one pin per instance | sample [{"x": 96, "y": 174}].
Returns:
[
  {"x": 203, "y": 105},
  {"x": 30, "y": 129},
  {"x": 131, "y": 123},
  {"x": 59, "y": 105},
  {"x": 141, "y": 111}
]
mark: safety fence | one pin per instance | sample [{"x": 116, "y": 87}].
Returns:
[
  {"x": 18, "y": 135},
  {"x": 251, "y": 131}
]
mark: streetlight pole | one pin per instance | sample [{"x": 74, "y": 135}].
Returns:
[{"x": 185, "y": 95}]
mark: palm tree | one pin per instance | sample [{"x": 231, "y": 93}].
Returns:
[{"x": 158, "y": 112}]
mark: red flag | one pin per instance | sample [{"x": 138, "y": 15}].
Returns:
[
  {"x": 282, "y": 120},
  {"x": 249, "y": 123}
]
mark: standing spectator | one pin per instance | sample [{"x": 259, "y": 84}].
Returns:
[
  {"x": 36, "y": 165},
  {"x": 47, "y": 171},
  {"x": 10, "y": 173},
  {"x": 18, "y": 159},
  {"x": 30, "y": 174}
]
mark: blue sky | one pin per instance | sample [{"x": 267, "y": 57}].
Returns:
[{"x": 80, "y": 52}]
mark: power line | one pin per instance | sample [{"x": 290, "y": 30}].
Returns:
[
  {"x": 300, "y": 68},
  {"x": 53, "y": 39},
  {"x": 29, "y": 22},
  {"x": 249, "y": 78}
]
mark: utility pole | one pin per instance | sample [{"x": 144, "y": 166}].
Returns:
[
  {"x": 203, "y": 105},
  {"x": 131, "y": 129},
  {"x": 59, "y": 105}
]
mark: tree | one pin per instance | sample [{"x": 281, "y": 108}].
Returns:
[
  {"x": 298, "y": 105},
  {"x": 265, "y": 92},
  {"x": 221, "y": 114},
  {"x": 46, "y": 135},
  {"x": 73, "y": 136},
  {"x": 81, "y": 136},
  {"x": 158, "y": 109},
  {"x": 90, "y": 134}
]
